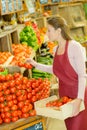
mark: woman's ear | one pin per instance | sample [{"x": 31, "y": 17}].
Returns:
[{"x": 59, "y": 30}]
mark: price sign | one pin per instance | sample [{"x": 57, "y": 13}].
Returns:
[
  {"x": 43, "y": 1},
  {"x": 55, "y": 1},
  {"x": 38, "y": 126}
]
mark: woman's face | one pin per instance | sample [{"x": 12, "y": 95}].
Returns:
[{"x": 52, "y": 33}]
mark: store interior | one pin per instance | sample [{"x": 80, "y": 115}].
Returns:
[{"x": 22, "y": 35}]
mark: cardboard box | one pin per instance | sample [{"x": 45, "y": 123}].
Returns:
[{"x": 61, "y": 113}]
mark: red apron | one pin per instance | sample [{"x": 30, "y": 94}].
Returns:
[{"x": 68, "y": 86}]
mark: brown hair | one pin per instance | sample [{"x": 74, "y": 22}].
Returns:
[{"x": 59, "y": 22}]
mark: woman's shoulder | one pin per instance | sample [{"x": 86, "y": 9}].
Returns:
[
  {"x": 76, "y": 48},
  {"x": 74, "y": 45}
]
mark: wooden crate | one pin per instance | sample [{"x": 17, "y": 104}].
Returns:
[
  {"x": 61, "y": 113},
  {"x": 37, "y": 124},
  {"x": 14, "y": 37},
  {"x": 5, "y": 44},
  {"x": 22, "y": 124},
  {"x": 7, "y": 38}
]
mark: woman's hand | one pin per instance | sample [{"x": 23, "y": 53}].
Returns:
[
  {"x": 76, "y": 107},
  {"x": 31, "y": 61}
]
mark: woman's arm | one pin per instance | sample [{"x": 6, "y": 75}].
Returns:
[
  {"x": 78, "y": 63},
  {"x": 42, "y": 67}
]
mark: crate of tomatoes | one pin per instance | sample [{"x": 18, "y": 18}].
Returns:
[{"x": 56, "y": 108}]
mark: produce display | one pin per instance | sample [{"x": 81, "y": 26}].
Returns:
[
  {"x": 18, "y": 101},
  {"x": 4, "y": 56},
  {"x": 45, "y": 57},
  {"x": 21, "y": 52},
  {"x": 40, "y": 74},
  {"x": 30, "y": 35}
]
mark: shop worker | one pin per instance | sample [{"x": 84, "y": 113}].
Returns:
[{"x": 69, "y": 68}]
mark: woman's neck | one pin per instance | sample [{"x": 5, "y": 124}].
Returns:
[{"x": 61, "y": 43}]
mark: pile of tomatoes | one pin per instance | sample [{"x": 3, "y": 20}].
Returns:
[
  {"x": 58, "y": 102},
  {"x": 25, "y": 65},
  {"x": 18, "y": 94}
]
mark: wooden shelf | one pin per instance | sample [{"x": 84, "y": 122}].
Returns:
[
  {"x": 8, "y": 7},
  {"x": 21, "y": 123}
]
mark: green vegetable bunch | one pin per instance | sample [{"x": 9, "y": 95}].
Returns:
[{"x": 28, "y": 36}]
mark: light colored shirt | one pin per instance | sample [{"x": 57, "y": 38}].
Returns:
[{"x": 77, "y": 58}]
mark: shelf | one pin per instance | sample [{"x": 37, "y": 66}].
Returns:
[
  {"x": 21, "y": 122},
  {"x": 10, "y": 6}
]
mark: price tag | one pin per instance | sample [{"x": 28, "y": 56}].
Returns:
[{"x": 37, "y": 126}]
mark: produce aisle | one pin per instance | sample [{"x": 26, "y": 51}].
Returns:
[{"x": 27, "y": 99}]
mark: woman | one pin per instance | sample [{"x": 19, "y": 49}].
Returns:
[{"x": 69, "y": 67}]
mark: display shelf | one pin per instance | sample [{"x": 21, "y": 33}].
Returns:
[
  {"x": 10, "y": 6},
  {"x": 23, "y": 123}
]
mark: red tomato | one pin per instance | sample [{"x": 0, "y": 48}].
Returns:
[
  {"x": 9, "y": 97},
  {"x": 19, "y": 87},
  {"x": 14, "y": 119},
  {"x": 25, "y": 80},
  {"x": 7, "y": 91},
  {"x": 17, "y": 75},
  {"x": 20, "y": 64},
  {"x": 24, "y": 86},
  {"x": 25, "y": 109},
  {"x": 8, "y": 77},
  {"x": 7, "y": 114},
  {"x": 20, "y": 98},
  {"x": 30, "y": 106},
  {"x": 33, "y": 92},
  {"x": 15, "y": 101},
  {"x": 4, "y": 86},
  {"x": 33, "y": 112},
  {"x": 2, "y": 110},
  {"x": 10, "y": 103},
  {"x": 25, "y": 115},
  {"x": 7, "y": 120},
  {"x": 2, "y": 99},
  {"x": 1, "y": 88},
  {"x": 29, "y": 95},
  {"x": 20, "y": 104},
  {"x": 27, "y": 102},
  {"x": 6, "y": 108},
  {"x": 34, "y": 98},
  {"x": 13, "y": 89},
  {"x": 28, "y": 84},
  {"x": 2, "y": 115},
  {"x": 13, "y": 96},
  {"x": 19, "y": 92},
  {"x": 12, "y": 83},
  {"x": 14, "y": 113},
  {"x": 2, "y": 105},
  {"x": 65, "y": 99},
  {"x": 20, "y": 113},
  {"x": 14, "y": 107},
  {"x": 2, "y": 78},
  {"x": 18, "y": 81},
  {"x": 59, "y": 104},
  {"x": 1, "y": 121}
]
